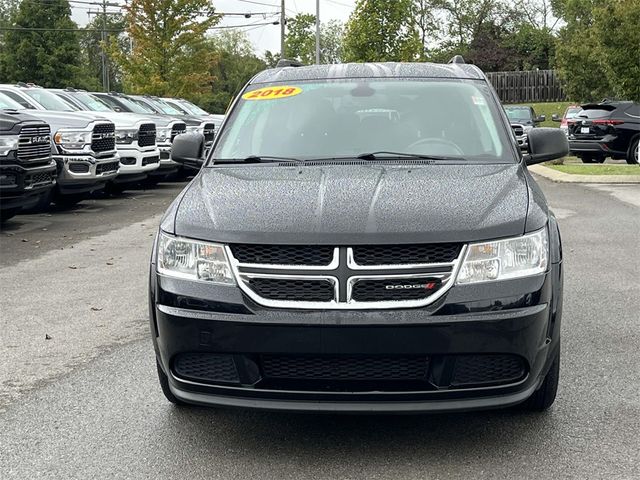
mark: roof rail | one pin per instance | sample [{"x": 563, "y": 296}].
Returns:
[
  {"x": 70, "y": 89},
  {"x": 283, "y": 62},
  {"x": 457, "y": 59}
]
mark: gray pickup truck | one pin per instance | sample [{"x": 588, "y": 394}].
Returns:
[{"x": 27, "y": 171}]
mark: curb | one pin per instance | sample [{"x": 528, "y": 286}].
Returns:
[{"x": 562, "y": 177}]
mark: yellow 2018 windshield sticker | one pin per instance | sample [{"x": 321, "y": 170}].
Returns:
[{"x": 272, "y": 93}]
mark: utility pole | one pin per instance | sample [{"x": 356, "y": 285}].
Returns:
[
  {"x": 105, "y": 63},
  {"x": 317, "y": 32},
  {"x": 282, "y": 33}
]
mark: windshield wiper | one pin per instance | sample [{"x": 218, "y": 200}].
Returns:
[
  {"x": 257, "y": 159},
  {"x": 383, "y": 155}
]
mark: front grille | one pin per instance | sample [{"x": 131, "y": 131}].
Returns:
[
  {"x": 371, "y": 255},
  {"x": 39, "y": 179},
  {"x": 147, "y": 135},
  {"x": 177, "y": 129},
  {"x": 103, "y": 138},
  {"x": 206, "y": 367},
  {"x": 283, "y": 254},
  {"x": 78, "y": 167},
  {"x": 518, "y": 130},
  {"x": 380, "y": 290},
  {"x": 34, "y": 143},
  {"x": 150, "y": 160},
  {"x": 209, "y": 132},
  {"x": 106, "y": 168},
  {"x": 487, "y": 369},
  {"x": 293, "y": 289},
  {"x": 345, "y": 368}
]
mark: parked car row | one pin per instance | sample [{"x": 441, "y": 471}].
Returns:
[{"x": 59, "y": 145}]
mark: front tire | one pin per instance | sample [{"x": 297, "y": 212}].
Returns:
[
  {"x": 544, "y": 397},
  {"x": 632, "y": 155},
  {"x": 164, "y": 384}
]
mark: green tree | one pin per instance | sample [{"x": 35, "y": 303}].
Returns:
[
  {"x": 382, "y": 30},
  {"x": 234, "y": 64},
  {"x": 93, "y": 47},
  {"x": 300, "y": 42},
  {"x": 617, "y": 30},
  {"x": 47, "y": 57},
  {"x": 170, "y": 55}
]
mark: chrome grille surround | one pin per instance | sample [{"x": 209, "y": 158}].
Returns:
[
  {"x": 34, "y": 144},
  {"x": 344, "y": 274}
]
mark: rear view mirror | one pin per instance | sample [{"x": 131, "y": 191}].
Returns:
[
  {"x": 188, "y": 149},
  {"x": 555, "y": 118},
  {"x": 546, "y": 144}
]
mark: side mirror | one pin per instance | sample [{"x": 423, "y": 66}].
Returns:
[
  {"x": 188, "y": 148},
  {"x": 555, "y": 118},
  {"x": 117, "y": 109},
  {"x": 541, "y": 119},
  {"x": 546, "y": 144}
]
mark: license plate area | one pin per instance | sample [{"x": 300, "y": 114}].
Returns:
[{"x": 584, "y": 129}]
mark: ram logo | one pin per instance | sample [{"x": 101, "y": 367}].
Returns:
[{"x": 33, "y": 140}]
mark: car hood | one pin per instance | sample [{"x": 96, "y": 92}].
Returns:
[
  {"x": 352, "y": 204},
  {"x": 125, "y": 120},
  {"x": 59, "y": 120}
]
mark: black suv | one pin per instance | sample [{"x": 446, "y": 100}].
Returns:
[
  {"x": 606, "y": 129},
  {"x": 361, "y": 237}
]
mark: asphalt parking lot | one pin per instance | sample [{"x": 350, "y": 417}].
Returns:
[{"x": 79, "y": 397}]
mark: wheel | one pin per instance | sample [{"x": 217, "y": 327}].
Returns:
[
  {"x": 600, "y": 159},
  {"x": 544, "y": 397},
  {"x": 633, "y": 154},
  {"x": 164, "y": 384},
  {"x": 8, "y": 213}
]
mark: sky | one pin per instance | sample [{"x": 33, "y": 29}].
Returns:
[{"x": 262, "y": 37}]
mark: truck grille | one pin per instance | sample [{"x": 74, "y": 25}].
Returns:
[
  {"x": 517, "y": 129},
  {"x": 147, "y": 135},
  {"x": 107, "y": 167},
  {"x": 359, "y": 277},
  {"x": 177, "y": 129},
  {"x": 34, "y": 144},
  {"x": 103, "y": 138},
  {"x": 209, "y": 132}
]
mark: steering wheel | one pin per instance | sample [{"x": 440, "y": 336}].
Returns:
[{"x": 436, "y": 140}]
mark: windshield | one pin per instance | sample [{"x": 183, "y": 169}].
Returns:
[
  {"x": 346, "y": 118},
  {"x": 7, "y": 103},
  {"x": 50, "y": 101},
  {"x": 91, "y": 102},
  {"x": 164, "y": 107},
  {"x": 135, "y": 106},
  {"x": 192, "y": 108},
  {"x": 518, "y": 114},
  {"x": 179, "y": 107}
]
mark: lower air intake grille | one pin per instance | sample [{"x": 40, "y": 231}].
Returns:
[
  {"x": 106, "y": 167},
  {"x": 206, "y": 367},
  {"x": 369, "y": 255},
  {"x": 286, "y": 367},
  {"x": 300, "y": 290},
  {"x": 283, "y": 254},
  {"x": 487, "y": 369},
  {"x": 41, "y": 178},
  {"x": 150, "y": 160}
]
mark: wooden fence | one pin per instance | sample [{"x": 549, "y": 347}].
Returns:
[{"x": 528, "y": 86}]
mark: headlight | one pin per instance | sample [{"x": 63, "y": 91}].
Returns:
[
  {"x": 193, "y": 260},
  {"x": 126, "y": 135},
  {"x": 8, "y": 143},
  {"x": 163, "y": 134},
  {"x": 504, "y": 259},
  {"x": 72, "y": 138}
]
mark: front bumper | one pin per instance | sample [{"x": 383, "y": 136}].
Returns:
[
  {"x": 517, "y": 318},
  {"x": 21, "y": 187},
  {"x": 166, "y": 166},
  {"x": 137, "y": 162},
  {"x": 85, "y": 173}
]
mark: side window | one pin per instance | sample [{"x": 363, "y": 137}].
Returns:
[{"x": 17, "y": 98}]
